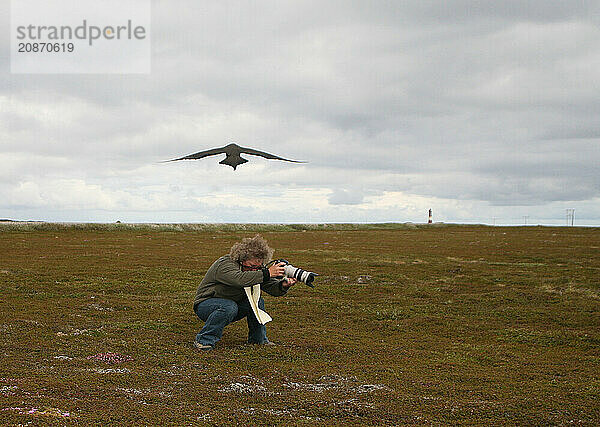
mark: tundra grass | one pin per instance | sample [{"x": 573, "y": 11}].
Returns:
[{"x": 406, "y": 325}]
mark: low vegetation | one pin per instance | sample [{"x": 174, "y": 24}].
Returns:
[{"x": 407, "y": 325}]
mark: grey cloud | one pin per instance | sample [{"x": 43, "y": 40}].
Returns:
[
  {"x": 16, "y": 123},
  {"x": 569, "y": 134},
  {"x": 457, "y": 100},
  {"x": 341, "y": 196},
  {"x": 531, "y": 10}
]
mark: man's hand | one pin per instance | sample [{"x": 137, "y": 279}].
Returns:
[
  {"x": 277, "y": 269},
  {"x": 289, "y": 282}
]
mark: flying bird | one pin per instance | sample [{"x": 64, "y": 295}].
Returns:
[{"x": 232, "y": 155}]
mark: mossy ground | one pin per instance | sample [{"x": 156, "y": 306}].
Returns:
[{"x": 407, "y": 325}]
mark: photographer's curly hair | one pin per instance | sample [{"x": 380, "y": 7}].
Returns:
[{"x": 249, "y": 248}]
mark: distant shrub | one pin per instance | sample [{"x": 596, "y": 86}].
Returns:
[{"x": 213, "y": 227}]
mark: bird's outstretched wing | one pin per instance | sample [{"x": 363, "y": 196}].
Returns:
[
  {"x": 266, "y": 155},
  {"x": 200, "y": 154}
]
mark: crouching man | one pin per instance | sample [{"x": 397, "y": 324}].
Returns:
[{"x": 221, "y": 298}]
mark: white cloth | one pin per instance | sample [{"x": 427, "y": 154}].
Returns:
[{"x": 253, "y": 293}]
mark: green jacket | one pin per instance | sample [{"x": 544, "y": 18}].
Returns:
[{"x": 225, "y": 279}]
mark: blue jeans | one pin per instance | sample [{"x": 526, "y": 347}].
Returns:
[{"x": 219, "y": 312}]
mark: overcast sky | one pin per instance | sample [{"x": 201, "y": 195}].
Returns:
[{"x": 475, "y": 109}]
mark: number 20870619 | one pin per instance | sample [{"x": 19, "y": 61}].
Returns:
[{"x": 45, "y": 47}]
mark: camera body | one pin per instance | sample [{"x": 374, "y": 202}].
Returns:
[{"x": 306, "y": 277}]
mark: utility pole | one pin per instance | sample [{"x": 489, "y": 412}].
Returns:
[
  {"x": 494, "y": 219},
  {"x": 570, "y": 216},
  {"x": 525, "y": 217},
  {"x": 430, "y": 217}
]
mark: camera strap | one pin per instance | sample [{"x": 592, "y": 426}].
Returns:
[{"x": 253, "y": 294}]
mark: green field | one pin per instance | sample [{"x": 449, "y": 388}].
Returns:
[{"x": 407, "y": 325}]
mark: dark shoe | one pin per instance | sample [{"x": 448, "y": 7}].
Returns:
[{"x": 202, "y": 347}]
